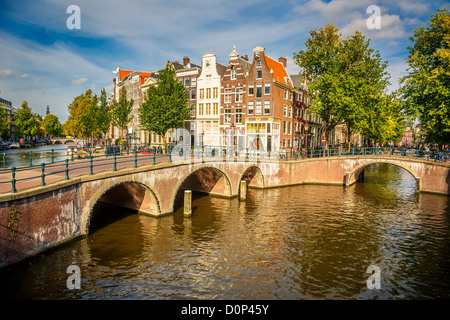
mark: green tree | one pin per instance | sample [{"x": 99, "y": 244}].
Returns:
[
  {"x": 384, "y": 121},
  {"x": 315, "y": 63},
  {"x": 52, "y": 125},
  {"x": 4, "y": 123},
  {"x": 165, "y": 106},
  {"x": 425, "y": 90},
  {"x": 27, "y": 123},
  {"x": 88, "y": 120},
  {"x": 121, "y": 112},
  {"x": 343, "y": 74},
  {"x": 104, "y": 114},
  {"x": 78, "y": 107}
]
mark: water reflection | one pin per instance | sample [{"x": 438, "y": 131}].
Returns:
[{"x": 304, "y": 242}]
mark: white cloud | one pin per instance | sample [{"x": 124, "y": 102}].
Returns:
[
  {"x": 79, "y": 82},
  {"x": 5, "y": 73},
  {"x": 24, "y": 76},
  {"x": 391, "y": 28}
]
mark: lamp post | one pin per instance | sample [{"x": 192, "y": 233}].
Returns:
[{"x": 306, "y": 138}]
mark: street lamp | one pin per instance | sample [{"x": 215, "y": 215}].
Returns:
[{"x": 306, "y": 138}]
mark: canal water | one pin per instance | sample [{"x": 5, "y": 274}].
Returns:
[
  {"x": 301, "y": 242},
  {"x": 40, "y": 154}
]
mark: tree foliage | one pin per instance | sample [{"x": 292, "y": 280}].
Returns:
[
  {"x": 78, "y": 107},
  {"x": 425, "y": 90},
  {"x": 27, "y": 123},
  {"x": 347, "y": 81},
  {"x": 4, "y": 123},
  {"x": 52, "y": 125},
  {"x": 165, "y": 106},
  {"x": 103, "y": 113},
  {"x": 121, "y": 111}
]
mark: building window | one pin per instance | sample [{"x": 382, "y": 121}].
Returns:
[
  {"x": 290, "y": 96},
  {"x": 233, "y": 74},
  {"x": 227, "y": 116},
  {"x": 200, "y": 109},
  {"x": 208, "y": 93},
  {"x": 284, "y": 127},
  {"x": 285, "y": 110},
  {"x": 266, "y": 106},
  {"x": 251, "y": 90},
  {"x": 258, "y": 107},
  {"x": 227, "y": 96},
  {"x": 208, "y": 109},
  {"x": 193, "y": 110},
  {"x": 193, "y": 94},
  {"x": 289, "y": 127},
  {"x": 259, "y": 90},
  {"x": 285, "y": 94},
  {"x": 258, "y": 74},
  {"x": 267, "y": 88},
  {"x": 238, "y": 116},
  {"x": 215, "y": 93},
  {"x": 239, "y": 95},
  {"x": 187, "y": 82},
  {"x": 250, "y": 107},
  {"x": 194, "y": 82},
  {"x": 215, "y": 108},
  {"x": 258, "y": 63},
  {"x": 284, "y": 142},
  {"x": 290, "y": 112},
  {"x": 202, "y": 94}
]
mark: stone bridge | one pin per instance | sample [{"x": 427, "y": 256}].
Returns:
[
  {"x": 65, "y": 141},
  {"x": 40, "y": 218}
]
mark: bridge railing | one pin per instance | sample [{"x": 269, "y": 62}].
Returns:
[{"x": 119, "y": 158}]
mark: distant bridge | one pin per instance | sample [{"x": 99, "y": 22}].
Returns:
[
  {"x": 65, "y": 141},
  {"x": 56, "y": 204}
]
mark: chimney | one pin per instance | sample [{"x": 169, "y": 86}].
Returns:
[
  {"x": 283, "y": 61},
  {"x": 186, "y": 61}
]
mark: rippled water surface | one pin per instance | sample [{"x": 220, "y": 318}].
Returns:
[{"x": 302, "y": 242}]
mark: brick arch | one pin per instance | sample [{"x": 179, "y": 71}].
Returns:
[
  {"x": 260, "y": 183},
  {"x": 356, "y": 171},
  {"x": 195, "y": 169},
  {"x": 149, "y": 204}
]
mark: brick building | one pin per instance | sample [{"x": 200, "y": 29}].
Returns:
[
  {"x": 234, "y": 101},
  {"x": 269, "y": 98}
]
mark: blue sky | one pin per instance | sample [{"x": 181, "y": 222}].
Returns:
[{"x": 45, "y": 63}]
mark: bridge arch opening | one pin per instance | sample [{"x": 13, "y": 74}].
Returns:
[
  {"x": 121, "y": 200},
  {"x": 69, "y": 142},
  {"x": 253, "y": 176},
  {"x": 203, "y": 181},
  {"x": 382, "y": 172},
  {"x": 58, "y": 142}
]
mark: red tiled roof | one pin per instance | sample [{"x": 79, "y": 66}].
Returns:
[
  {"x": 279, "y": 72},
  {"x": 124, "y": 73},
  {"x": 142, "y": 75}
]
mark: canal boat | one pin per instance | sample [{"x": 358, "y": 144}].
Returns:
[{"x": 15, "y": 145}]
